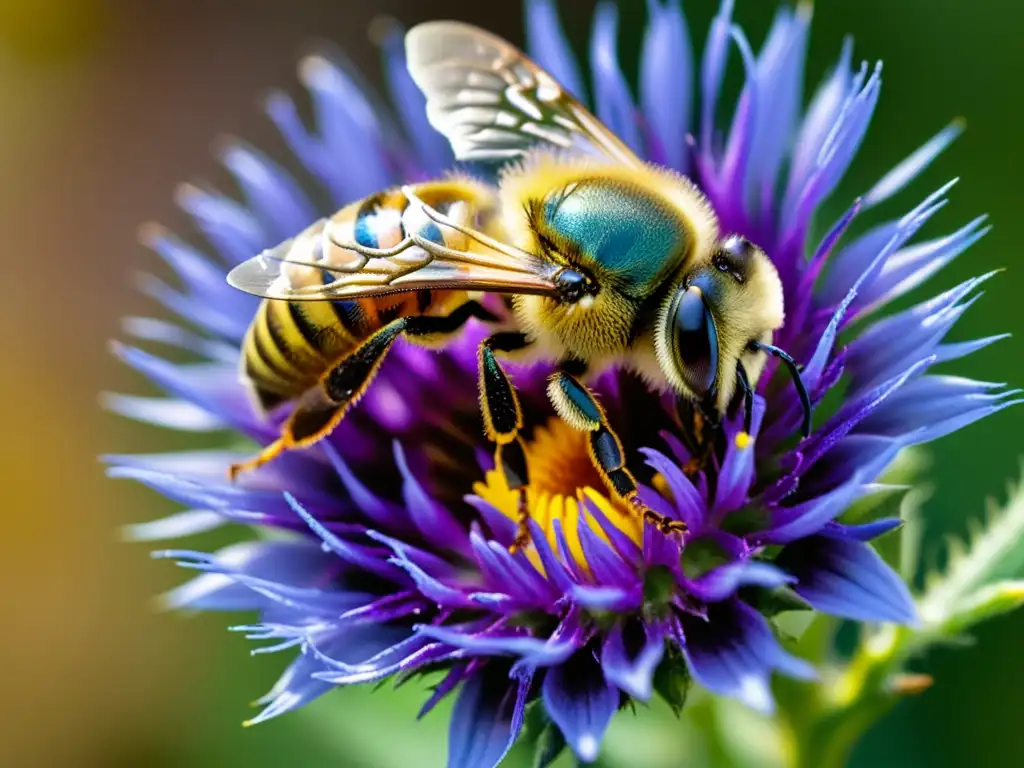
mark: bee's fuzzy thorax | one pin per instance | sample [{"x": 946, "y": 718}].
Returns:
[{"x": 543, "y": 171}]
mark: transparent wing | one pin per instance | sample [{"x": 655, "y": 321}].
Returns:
[
  {"x": 438, "y": 251},
  {"x": 493, "y": 103}
]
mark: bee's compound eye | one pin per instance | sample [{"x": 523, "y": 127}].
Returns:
[
  {"x": 734, "y": 255},
  {"x": 695, "y": 341},
  {"x": 573, "y": 285}
]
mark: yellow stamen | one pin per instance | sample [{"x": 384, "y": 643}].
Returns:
[
  {"x": 743, "y": 440},
  {"x": 561, "y": 478}
]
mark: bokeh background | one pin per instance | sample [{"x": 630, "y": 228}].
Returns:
[{"x": 106, "y": 104}]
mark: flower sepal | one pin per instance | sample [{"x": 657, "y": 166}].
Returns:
[{"x": 672, "y": 679}]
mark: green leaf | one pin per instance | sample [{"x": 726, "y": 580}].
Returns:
[
  {"x": 987, "y": 603},
  {"x": 902, "y": 474},
  {"x": 702, "y": 555},
  {"x": 550, "y": 745},
  {"x": 672, "y": 679},
  {"x": 771, "y": 602},
  {"x": 993, "y": 551}
]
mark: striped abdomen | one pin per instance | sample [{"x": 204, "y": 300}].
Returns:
[{"x": 290, "y": 345}]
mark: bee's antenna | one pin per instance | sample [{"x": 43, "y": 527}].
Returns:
[
  {"x": 748, "y": 396},
  {"x": 798, "y": 382}
]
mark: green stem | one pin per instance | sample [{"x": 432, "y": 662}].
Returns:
[{"x": 858, "y": 697}]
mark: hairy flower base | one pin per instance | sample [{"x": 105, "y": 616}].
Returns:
[{"x": 396, "y": 556}]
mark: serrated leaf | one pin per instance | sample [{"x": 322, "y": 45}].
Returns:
[
  {"x": 672, "y": 680},
  {"x": 987, "y": 603},
  {"x": 995, "y": 552}
]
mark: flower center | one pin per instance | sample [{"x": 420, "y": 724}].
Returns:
[{"x": 562, "y": 478}]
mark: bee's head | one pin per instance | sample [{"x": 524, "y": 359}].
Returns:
[{"x": 716, "y": 329}]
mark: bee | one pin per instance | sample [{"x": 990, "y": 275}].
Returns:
[{"x": 607, "y": 260}]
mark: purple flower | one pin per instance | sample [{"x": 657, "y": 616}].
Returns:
[{"x": 395, "y": 556}]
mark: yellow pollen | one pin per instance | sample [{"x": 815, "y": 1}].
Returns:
[
  {"x": 561, "y": 477},
  {"x": 742, "y": 440}
]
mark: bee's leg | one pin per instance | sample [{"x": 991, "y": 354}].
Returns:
[
  {"x": 319, "y": 410},
  {"x": 699, "y": 433},
  {"x": 579, "y": 409},
  {"x": 503, "y": 418}
]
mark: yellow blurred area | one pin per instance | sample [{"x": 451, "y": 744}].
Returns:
[{"x": 84, "y": 659}]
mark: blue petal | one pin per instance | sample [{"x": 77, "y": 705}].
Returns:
[
  {"x": 203, "y": 278},
  {"x": 848, "y": 579},
  {"x": 229, "y": 226},
  {"x": 818, "y": 122},
  {"x": 792, "y": 523},
  {"x": 780, "y": 73},
  {"x": 908, "y": 170},
  {"x": 836, "y": 154},
  {"x": 632, "y": 670},
  {"x": 173, "y": 335},
  {"x": 736, "y": 160},
  {"x": 685, "y": 497},
  {"x": 610, "y": 599},
  {"x": 176, "y": 526},
  {"x": 581, "y": 703},
  {"x": 933, "y": 406},
  {"x": 436, "y": 524},
  {"x": 511, "y": 574},
  {"x": 502, "y": 527},
  {"x": 615, "y": 107},
  {"x": 554, "y": 569},
  {"x": 737, "y": 471},
  {"x": 722, "y": 582},
  {"x": 858, "y": 408},
  {"x": 348, "y": 552},
  {"x": 277, "y": 200},
  {"x": 716, "y": 52},
  {"x": 911, "y": 266},
  {"x": 220, "y": 309},
  {"x": 379, "y": 511},
  {"x": 459, "y": 672},
  {"x": 849, "y": 264},
  {"x": 211, "y": 386},
  {"x": 898, "y": 341},
  {"x": 222, "y": 587},
  {"x": 547, "y": 46},
  {"x": 294, "y": 689},
  {"x": 351, "y": 132},
  {"x": 164, "y": 412},
  {"x": 867, "y": 455},
  {"x": 487, "y": 718},
  {"x": 535, "y": 651},
  {"x": 862, "y": 532},
  {"x": 399, "y": 652},
  {"x": 626, "y": 548},
  {"x": 603, "y": 560},
  {"x": 733, "y": 653},
  {"x": 303, "y": 144},
  {"x": 434, "y": 152},
  {"x": 201, "y": 314},
  {"x": 430, "y": 587},
  {"x": 666, "y": 80}
]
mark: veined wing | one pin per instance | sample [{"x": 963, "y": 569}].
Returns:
[
  {"x": 494, "y": 103},
  {"x": 438, "y": 250}
]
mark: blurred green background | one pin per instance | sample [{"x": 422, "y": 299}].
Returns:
[{"x": 106, "y": 105}]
